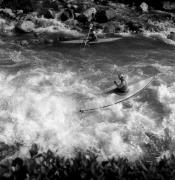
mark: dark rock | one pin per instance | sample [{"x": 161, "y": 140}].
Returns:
[
  {"x": 18, "y": 169},
  {"x": 24, "y": 43},
  {"x": 19, "y": 12},
  {"x": 25, "y": 5},
  {"x": 47, "y": 13},
  {"x": 105, "y": 15},
  {"x": 37, "y": 4},
  {"x": 90, "y": 14},
  {"x": 110, "y": 14},
  {"x": 6, "y": 150},
  {"x": 72, "y": 23},
  {"x": 109, "y": 28},
  {"x": 34, "y": 150},
  {"x": 49, "y": 41},
  {"x": 25, "y": 26},
  {"x": 67, "y": 14},
  {"x": 171, "y": 36},
  {"x": 144, "y": 7},
  {"x": 8, "y": 13},
  {"x": 134, "y": 26},
  {"x": 167, "y": 5},
  {"x": 52, "y": 4}
]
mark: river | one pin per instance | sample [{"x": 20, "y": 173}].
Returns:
[{"x": 40, "y": 98}]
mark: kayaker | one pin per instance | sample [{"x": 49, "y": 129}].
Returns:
[
  {"x": 122, "y": 87},
  {"x": 92, "y": 33}
]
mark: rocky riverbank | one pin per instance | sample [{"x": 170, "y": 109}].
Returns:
[{"x": 51, "y": 21}]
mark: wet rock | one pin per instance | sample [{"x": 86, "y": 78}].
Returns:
[
  {"x": 55, "y": 5},
  {"x": 67, "y": 14},
  {"x": 90, "y": 13},
  {"x": 114, "y": 27},
  {"x": 109, "y": 28},
  {"x": 48, "y": 41},
  {"x": 110, "y": 14},
  {"x": 105, "y": 15},
  {"x": 171, "y": 36},
  {"x": 17, "y": 4},
  {"x": 25, "y": 26},
  {"x": 19, "y": 12},
  {"x": 134, "y": 26},
  {"x": 34, "y": 150},
  {"x": 144, "y": 7},
  {"x": 24, "y": 43},
  {"x": 7, "y": 13},
  {"x": 18, "y": 169},
  {"x": 36, "y": 4},
  {"x": 167, "y": 5},
  {"x": 6, "y": 150},
  {"x": 47, "y": 13},
  {"x": 39, "y": 159},
  {"x": 72, "y": 23}
]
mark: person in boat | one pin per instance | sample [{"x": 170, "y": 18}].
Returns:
[
  {"x": 122, "y": 87},
  {"x": 92, "y": 33}
]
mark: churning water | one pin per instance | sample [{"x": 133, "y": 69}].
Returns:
[{"x": 41, "y": 96}]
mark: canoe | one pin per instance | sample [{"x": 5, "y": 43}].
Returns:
[
  {"x": 82, "y": 41},
  {"x": 113, "y": 98}
]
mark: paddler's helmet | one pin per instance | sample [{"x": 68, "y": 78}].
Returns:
[
  {"x": 121, "y": 76},
  {"x": 91, "y": 26}
]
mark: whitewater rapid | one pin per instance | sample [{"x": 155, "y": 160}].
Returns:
[{"x": 40, "y": 103}]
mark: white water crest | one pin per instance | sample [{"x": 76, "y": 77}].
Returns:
[
  {"x": 41, "y": 104},
  {"x": 42, "y": 107}
]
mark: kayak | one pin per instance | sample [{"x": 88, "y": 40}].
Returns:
[
  {"x": 14, "y": 65},
  {"x": 113, "y": 98},
  {"x": 82, "y": 41}
]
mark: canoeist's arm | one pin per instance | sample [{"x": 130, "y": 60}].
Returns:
[{"x": 116, "y": 83}]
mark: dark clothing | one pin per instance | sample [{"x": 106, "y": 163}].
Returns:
[
  {"x": 119, "y": 91},
  {"x": 92, "y": 36},
  {"x": 122, "y": 87}
]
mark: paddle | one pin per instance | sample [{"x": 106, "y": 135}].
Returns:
[{"x": 87, "y": 37}]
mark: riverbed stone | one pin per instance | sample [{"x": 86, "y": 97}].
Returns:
[
  {"x": 25, "y": 26},
  {"x": 103, "y": 16},
  {"x": 171, "y": 36}
]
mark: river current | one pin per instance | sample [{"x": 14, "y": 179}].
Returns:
[{"x": 41, "y": 96}]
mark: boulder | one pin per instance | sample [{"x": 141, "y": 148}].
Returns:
[
  {"x": 25, "y": 26},
  {"x": 17, "y": 4},
  {"x": 8, "y": 13},
  {"x": 134, "y": 26},
  {"x": 24, "y": 43},
  {"x": 36, "y": 4},
  {"x": 110, "y": 14},
  {"x": 67, "y": 14},
  {"x": 105, "y": 15},
  {"x": 144, "y": 7},
  {"x": 52, "y": 4},
  {"x": 109, "y": 28},
  {"x": 47, "y": 13},
  {"x": 171, "y": 36},
  {"x": 34, "y": 150},
  {"x": 167, "y": 5},
  {"x": 90, "y": 13}
]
